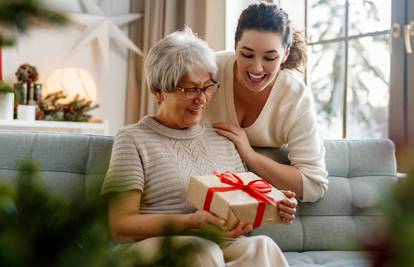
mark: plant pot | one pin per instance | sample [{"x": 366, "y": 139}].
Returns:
[{"x": 6, "y": 106}]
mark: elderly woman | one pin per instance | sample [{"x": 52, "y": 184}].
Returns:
[{"x": 153, "y": 159}]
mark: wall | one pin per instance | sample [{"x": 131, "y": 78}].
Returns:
[
  {"x": 233, "y": 10},
  {"x": 48, "y": 48}
]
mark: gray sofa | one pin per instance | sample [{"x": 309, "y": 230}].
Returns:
[{"x": 325, "y": 233}]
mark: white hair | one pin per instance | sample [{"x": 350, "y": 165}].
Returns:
[{"x": 176, "y": 54}]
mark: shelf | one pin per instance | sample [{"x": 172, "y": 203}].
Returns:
[{"x": 55, "y": 126}]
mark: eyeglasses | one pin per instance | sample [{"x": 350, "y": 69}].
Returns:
[{"x": 194, "y": 92}]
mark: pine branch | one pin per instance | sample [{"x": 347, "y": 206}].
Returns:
[{"x": 21, "y": 14}]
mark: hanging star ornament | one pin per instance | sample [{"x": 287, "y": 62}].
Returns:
[{"x": 103, "y": 28}]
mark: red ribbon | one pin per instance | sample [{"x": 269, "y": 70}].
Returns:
[{"x": 256, "y": 189}]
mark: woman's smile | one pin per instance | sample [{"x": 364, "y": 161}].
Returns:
[{"x": 256, "y": 78}]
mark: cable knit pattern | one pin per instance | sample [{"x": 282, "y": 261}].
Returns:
[
  {"x": 192, "y": 155},
  {"x": 159, "y": 161}
]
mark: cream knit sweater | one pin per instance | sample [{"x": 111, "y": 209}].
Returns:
[
  {"x": 158, "y": 161},
  {"x": 288, "y": 117}
]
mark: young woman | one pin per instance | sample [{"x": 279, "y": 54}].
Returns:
[
  {"x": 263, "y": 102},
  {"x": 152, "y": 161}
]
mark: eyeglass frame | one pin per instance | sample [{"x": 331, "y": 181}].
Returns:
[{"x": 198, "y": 90}]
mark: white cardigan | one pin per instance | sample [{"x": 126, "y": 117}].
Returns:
[{"x": 288, "y": 117}]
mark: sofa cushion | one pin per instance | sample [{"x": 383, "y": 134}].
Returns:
[
  {"x": 360, "y": 171},
  {"x": 327, "y": 258}
]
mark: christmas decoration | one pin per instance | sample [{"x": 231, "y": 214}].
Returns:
[
  {"x": 56, "y": 107},
  {"x": 27, "y": 73},
  {"x": 5, "y": 88},
  {"x": 103, "y": 29}
]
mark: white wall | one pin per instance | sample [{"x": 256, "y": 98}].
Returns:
[
  {"x": 233, "y": 11},
  {"x": 48, "y": 49}
]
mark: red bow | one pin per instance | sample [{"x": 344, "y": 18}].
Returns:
[{"x": 256, "y": 189}]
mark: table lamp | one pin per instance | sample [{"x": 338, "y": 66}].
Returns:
[{"x": 72, "y": 81}]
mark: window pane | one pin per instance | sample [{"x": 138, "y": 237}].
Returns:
[
  {"x": 369, "y": 16},
  {"x": 326, "y": 79},
  {"x": 368, "y": 97},
  {"x": 326, "y": 19}
]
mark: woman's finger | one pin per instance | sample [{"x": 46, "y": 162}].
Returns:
[
  {"x": 286, "y": 216},
  {"x": 229, "y": 135},
  {"x": 290, "y": 202},
  {"x": 288, "y": 193},
  {"x": 216, "y": 220},
  {"x": 227, "y": 127},
  {"x": 240, "y": 229},
  {"x": 287, "y": 209}
]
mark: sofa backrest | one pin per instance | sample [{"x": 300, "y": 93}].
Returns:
[
  {"x": 73, "y": 165},
  {"x": 359, "y": 171}
]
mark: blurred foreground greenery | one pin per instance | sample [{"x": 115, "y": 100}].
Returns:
[
  {"x": 40, "y": 228},
  {"x": 19, "y": 15},
  {"x": 393, "y": 246}
]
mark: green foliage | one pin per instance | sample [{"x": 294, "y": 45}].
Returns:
[
  {"x": 6, "y": 40},
  {"x": 21, "y": 14},
  {"x": 400, "y": 213},
  {"x": 41, "y": 228},
  {"x": 5, "y": 88},
  {"x": 392, "y": 245}
]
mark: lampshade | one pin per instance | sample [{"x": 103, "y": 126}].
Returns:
[{"x": 72, "y": 81}]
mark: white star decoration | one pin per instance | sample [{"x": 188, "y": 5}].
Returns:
[{"x": 103, "y": 28}]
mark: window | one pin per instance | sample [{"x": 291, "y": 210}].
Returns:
[{"x": 349, "y": 64}]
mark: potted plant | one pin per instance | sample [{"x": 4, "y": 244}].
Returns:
[{"x": 6, "y": 101}]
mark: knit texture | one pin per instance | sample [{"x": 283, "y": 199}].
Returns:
[{"x": 158, "y": 161}]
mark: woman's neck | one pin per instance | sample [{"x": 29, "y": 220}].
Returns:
[
  {"x": 162, "y": 118},
  {"x": 248, "y": 104}
]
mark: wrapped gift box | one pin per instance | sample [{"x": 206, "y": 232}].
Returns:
[{"x": 224, "y": 195}]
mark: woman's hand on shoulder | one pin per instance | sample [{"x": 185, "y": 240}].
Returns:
[
  {"x": 202, "y": 218},
  {"x": 287, "y": 207},
  {"x": 238, "y": 136}
]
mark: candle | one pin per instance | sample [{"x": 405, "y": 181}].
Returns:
[{"x": 26, "y": 112}]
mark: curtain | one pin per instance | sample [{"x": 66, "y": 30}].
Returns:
[{"x": 161, "y": 17}]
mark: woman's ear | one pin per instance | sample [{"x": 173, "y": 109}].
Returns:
[
  {"x": 158, "y": 95},
  {"x": 286, "y": 55}
]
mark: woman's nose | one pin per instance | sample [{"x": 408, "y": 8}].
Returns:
[
  {"x": 257, "y": 66},
  {"x": 201, "y": 97}
]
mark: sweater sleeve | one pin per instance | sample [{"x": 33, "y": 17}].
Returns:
[
  {"x": 125, "y": 170},
  {"x": 306, "y": 150}
]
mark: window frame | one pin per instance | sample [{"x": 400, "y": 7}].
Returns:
[{"x": 345, "y": 40}]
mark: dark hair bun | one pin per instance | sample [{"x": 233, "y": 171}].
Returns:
[{"x": 298, "y": 57}]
